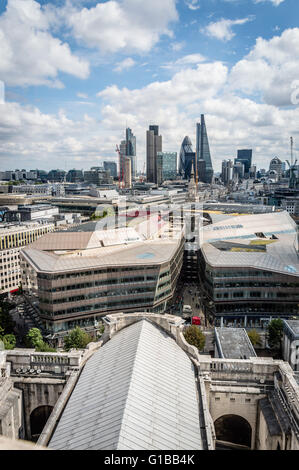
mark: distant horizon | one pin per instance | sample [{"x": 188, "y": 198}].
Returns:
[{"x": 75, "y": 73}]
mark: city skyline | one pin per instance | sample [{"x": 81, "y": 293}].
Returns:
[{"x": 168, "y": 64}]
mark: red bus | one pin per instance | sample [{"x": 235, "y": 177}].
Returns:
[{"x": 196, "y": 321}]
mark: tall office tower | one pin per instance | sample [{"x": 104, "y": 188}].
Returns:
[
  {"x": 153, "y": 146},
  {"x": 238, "y": 171},
  {"x": 245, "y": 157},
  {"x": 123, "y": 153},
  {"x": 128, "y": 173},
  {"x": 227, "y": 171},
  {"x": 203, "y": 149},
  {"x": 166, "y": 166},
  {"x": 276, "y": 164},
  {"x": 131, "y": 150},
  {"x": 112, "y": 167},
  {"x": 187, "y": 157}
]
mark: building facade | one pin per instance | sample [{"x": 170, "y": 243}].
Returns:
[
  {"x": 12, "y": 239},
  {"x": 166, "y": 166},
  {"x": 153, "y": 146}
]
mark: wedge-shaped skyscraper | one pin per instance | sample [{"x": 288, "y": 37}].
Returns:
[{"x": 203, "y": 150}]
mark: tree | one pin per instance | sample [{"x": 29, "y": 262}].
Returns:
[
  {"x": 275, "y": 332},
  {"x": 77, "y": 339},
  {"x": 195, "y": 336},
  {"x": 254, "y": 337},
  {"x": 6, "y": 322},
  {"x": 35, "y": 340},
  {"x": 9, "y": 341}
]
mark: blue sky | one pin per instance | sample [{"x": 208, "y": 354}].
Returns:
[{"x": 77, "y": 72}]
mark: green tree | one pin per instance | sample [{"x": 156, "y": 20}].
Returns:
[
  {"x": 77, "y": 339},
  {"x": 254, "y": 337},
  {"x": 34, "y": 339},
  {"x": 195, "y": 336},
  {"x": 275, "y": 333},
  {"x": 9, "y": 341}
]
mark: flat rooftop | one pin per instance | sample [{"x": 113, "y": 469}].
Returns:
[{"x": 233, "y": 343}]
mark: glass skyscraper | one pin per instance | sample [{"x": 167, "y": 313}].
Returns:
[
  {"x": 245, "y": 157},
  {"x": 166, "y": 166},
  {"x": 203, "y": 150},
  {"x": 131, "y": 149},
  {"x": 187, "y": 156}
]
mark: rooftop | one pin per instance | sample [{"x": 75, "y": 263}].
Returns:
[
  {"x": 233, "y": 343},
  {"x": 260, "y": 241},
  {"x": 137, "y": 392}
]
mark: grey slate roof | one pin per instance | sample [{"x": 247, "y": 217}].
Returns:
[{"x": 138, "y": 392}]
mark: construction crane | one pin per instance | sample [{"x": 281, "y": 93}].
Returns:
[{"x": 121, "y": 168}]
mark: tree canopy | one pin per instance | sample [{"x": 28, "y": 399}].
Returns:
[
  {"x": 34, "y": 339},
  {"x": 254, "y": 337},
  {"x": 77, "y": 339},
  {"x": 275, "y": 333},
  {"x": 195, "y": 337}
]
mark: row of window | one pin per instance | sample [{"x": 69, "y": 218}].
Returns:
[
  {"x": 103, "y": 307},
  {"x": 256, "y": 284},
  {"x": 96, "y": 295},
  {"x": 246, "y": 295},
  {"x": 55, "y": 277},
  {"x": 104, "y": 282}
]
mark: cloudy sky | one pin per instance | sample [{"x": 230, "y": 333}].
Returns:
[{"x": 77, "y": 72}]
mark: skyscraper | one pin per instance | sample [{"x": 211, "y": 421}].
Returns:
[
  {"x": 203, "y": 149},
  {"x": 245, "y": 157},
  {"x": 187, "y": 157},
  {"x": 131, "y": 150},
  {"x": 128, "y": 173},
  {"x": 166, "y": 166},
  {"x": 153, "y": 146}
]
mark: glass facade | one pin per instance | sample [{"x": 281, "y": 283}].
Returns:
[
  {"x": 203, "y": 149},
  {"x": 166, "y": 166}
]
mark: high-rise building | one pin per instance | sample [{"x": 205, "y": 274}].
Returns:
[
  {"x": 153, "y": 146},
  {"x": 128, "y": 173},
  {"x": 166, "y": 166},
  {"x": 245, "y": 157},
  {"x": 112, "y": 167},
  {"x": 131, "y": 150},
  {"x": 276, "y": 164},
  {"x": 203, "y": 149},
  {"x": 187, "y": 157},
  {"x": 227, "y": 171}
]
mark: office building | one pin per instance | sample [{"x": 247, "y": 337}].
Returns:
[
  {"x": 187, "y": 158},
  {"x": 250, "y": 268},
  {"x": 128, "y": 173},
  {"x": 276, "y": 165},
  {"x": 74, "y": 176},
  {"x": 166, "y": 166},
  {"x": 80, "y": 276},
  {"x": 227, "y": 171},
  {"x": 245, "y": 157},
  {"x": 12, "y": 239},
  {"x": 131, "y": 150},
  {"x": 153, "y": 146},
  {"x": 112, "y": 167},
  {"x": 98, "y": 176},
  {"x": 203, "y": 150}
]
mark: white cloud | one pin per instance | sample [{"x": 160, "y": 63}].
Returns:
[
  {"x": 130, "y": 25},
  {"x": 192, "y": 4},
  {"x": 124, "y": 64},
  {"x": 30, "y": 55},
  {"x": 190, "y": 59},
  {"x": 270, "y": 68},
  {"x": 82, "y": 95},
  {"x": 274, "y": 2},
  {"x": 222, "y": 29}
]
